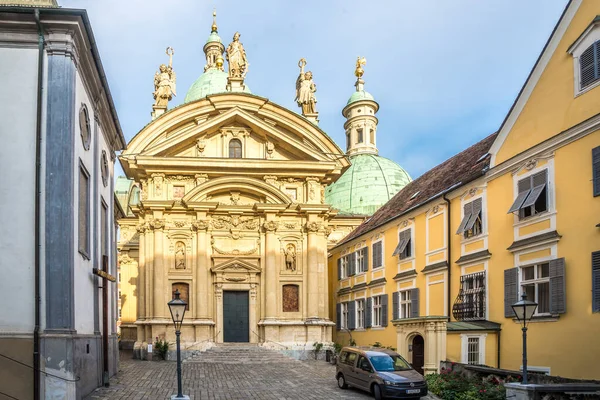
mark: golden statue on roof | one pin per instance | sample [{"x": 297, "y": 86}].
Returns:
[
  {"x": 305, "y": 90},
  {"x": 360, "y": 61},
  {"x": 164, "y": 82},
  {"x": 236, "y": 58}
]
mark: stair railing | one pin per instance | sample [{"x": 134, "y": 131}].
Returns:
[{"x": 271, "y": 341}]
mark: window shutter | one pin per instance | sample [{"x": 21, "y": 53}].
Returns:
[
  {"x": 366, "y": 258},
  {"x": 524, "y": 187},
  {"x": 384, "y": 310},
  {"x": 596, "y": 170},
  {"x": 351, "y": 315},
  {"x": 396, "y": 305},
  {"x": 557, "y": 286},
  {"x": 368, "y": 313},
  {"x": 339, "y": 268},
  {"x": 596, "y": 281},
  {"x": 414, "y": 303},
  {"x": 468, "y": 212},
  {"x": 541, "y": 178},
  {"x": 352, "y": 264},
  {"x": 588, "y": 64},
  {"x": 377, "y": 249},
  {"x": 477, "y": 205},
  {"x": 511, "y": 290},
  {"x": 380, "y": 255},
  {"x": 338, "y": 320}
]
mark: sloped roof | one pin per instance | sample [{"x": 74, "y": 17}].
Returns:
[{"x": 456, "y": 171}]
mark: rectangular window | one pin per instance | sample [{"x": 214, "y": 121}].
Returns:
[
  {"x": 405, "y": 304},
  {"x": 533, "y": 195},
  {"x": 360, "y": 314},
  {"x": 344, "y": 267},
  {"x": 372, "y": 134},
  {"x": 404, "y": 248},
  {"x": 535, "y": 282},
  {"x": 344, "y": 321},
  {"x": 473, "y": 350},
  {"x": 361, "y": 261},
  {"x": 377, "y": 311},
  {"x": 377, "y": 254},
  {"x": 359, "y": 134},
  {"x": 472, "y": 222},
  {"x": 470, "y": 302},
  {"x": 84, "y": 212}
]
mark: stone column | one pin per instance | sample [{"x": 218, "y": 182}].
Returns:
[
  {"x": 271, "y": 269},
  {"x": 141, "y": 282},
  {"x": 430, "y": 349},
  {"x": 158, "y": 288},
  {"x": 313, "y": 269},
  {"x": 201, "y": 270}
]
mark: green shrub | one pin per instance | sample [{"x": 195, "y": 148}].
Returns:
[
  {"x": 451, "y": 385},
  {"x": 318, "y": 346},
  {"x": 337, "y": 348},
  {"x": 161, "y": 347}
]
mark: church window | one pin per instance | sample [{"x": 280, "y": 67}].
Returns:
[
  {"x": 359, "y": 133},
  {"x": 372, "y": 135},
  {"x": 291, "y": 301},
  {"x": 84, "y": 212},
  {"x": 589, "y": 65},
  {"x": 235, "y": 148},
  {"x": 184, "y": 292},
  {"x": 471, "y": 224},
  {"x": 533, "y": 195}
]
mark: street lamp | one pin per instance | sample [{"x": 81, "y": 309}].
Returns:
[
  {"x": 524, "y": 310},
  {"x": 177, "y": 307}
]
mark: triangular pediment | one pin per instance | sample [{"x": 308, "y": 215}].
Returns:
[
  {"x": 236, "y": 265},
  {"x": 210, "y": 137}
]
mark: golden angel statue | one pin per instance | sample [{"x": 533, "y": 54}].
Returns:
[
  {"x": 164, "y": 82},
  {"x": 236, "y": 57},
  {"x": 360, "y": 61},
  {"x": 305, "y": 90}
]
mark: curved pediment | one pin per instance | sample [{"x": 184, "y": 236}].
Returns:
[
  {"x": 236, "y": 191},
  {"x": 203, "y": 128}
]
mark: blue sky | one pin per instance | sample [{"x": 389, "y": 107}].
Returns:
[{"x": 445, "y": 72}]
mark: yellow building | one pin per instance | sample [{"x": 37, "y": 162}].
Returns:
[{"x": 433, "y": 273}]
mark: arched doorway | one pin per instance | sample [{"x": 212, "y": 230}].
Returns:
[{"x": 418, "y": 353}]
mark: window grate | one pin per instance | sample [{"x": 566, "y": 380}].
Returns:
[
  {"x": 470, "y": 302},
  {"x": 473, "y": 350}
]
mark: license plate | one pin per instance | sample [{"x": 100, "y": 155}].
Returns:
[{"x": 412, "y": 391}]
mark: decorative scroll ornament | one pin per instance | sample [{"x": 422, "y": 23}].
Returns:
[
  {"x": 156, "y": 224},
  {"x": 235, "y": 252},
  {"x": 199, "y": 225},
  {"x": 472, "y": 191},
  {"x": 179, "y": 224},
  {"x": 313, "y": 226},
  {"x": 141, "y": 228},
  {"x": 125, "y": 259},
  {"x": 531, "y": 164},
  {"x": 290, "y": 224},
  {"x": 436, "y": 209},
  {"x": 224, "y": 222},
  {"x": 271, "y": 180},
  {"x": 270, "y": 226},
  {"x": 235, "y": 278},
  {"x": 200, "y": 178}
]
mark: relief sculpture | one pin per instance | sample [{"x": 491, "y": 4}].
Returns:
[
  {"x": 290, "y": 296},
  {"x": 290, "y": 257},
  {"x": 180, "y": 255}
]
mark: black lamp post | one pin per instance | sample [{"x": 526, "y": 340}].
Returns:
[
  {"x": 177, "y": 307},
  {"x": 524, "y": 310}
]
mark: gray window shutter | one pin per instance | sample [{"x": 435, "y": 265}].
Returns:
[
  {"x": 352, "y": 264},
  {"x": 511, "y": 290},
  {"x": 366, "y": 257},
  {"x": 533, "y": 195},
  {"x": 596, "y": 281},
  {"x": 468, "y": 212},
  {"x": 396, "y": 305},
  {"x": 368, "y": 313},
  {"x": 557, "y": 286},
  {"x": 524, "y": 187},
  {"x": 588, "y": 64},
  {"x": 384, "y": 310},
  {"x": 414, "y": 303},
  {"x": 380, "y": 255},
  {"x": 351, "y": 315},
  {"x": 338, "y": 320},
  {"x": 376, "y": 252},
  {"x": 596, "y": 170},
  {"x": 477, "y": 205},
  {"x": 339, "y": 268}
]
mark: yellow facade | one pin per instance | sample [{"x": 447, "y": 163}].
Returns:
[{"x": 546, "y": 141}]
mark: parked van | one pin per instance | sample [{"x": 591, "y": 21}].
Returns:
[{"x": 382, "y": 372}]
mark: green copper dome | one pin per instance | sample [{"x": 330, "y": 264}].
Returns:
[
  {"x": 213, "y": 37},
  {"x": 367, "y": 185},
  {"x": 213, "y": 81},
  {"x": 360, "y": 95}
]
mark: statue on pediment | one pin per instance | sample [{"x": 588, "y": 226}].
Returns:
[
  {"x": 236, "y": 58},
  {"x": 305, "y": 90},
  {"x": 164, "y": 82}
]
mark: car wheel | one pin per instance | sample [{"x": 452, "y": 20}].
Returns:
[
  {"x": 342, "y": 382},
  {"x": 377, "y": 392}
]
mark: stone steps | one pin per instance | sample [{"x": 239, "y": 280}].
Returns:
[{"x": 239, "y": 354}]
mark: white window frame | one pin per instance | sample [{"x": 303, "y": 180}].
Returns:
[
  {"x": 405, "y": 303},
  {"x": 550, "y": 198},
  {"x": 344, "y": 269},
  {"x": 344, "y": 315},
  {"x": 377, "y": 312},
  {"x": 360, "y": 261},
  {"x": 535, "y": 281},
  {"x": 360, "y": 313},
  {"x": 590, "y": 36},
  {"x": 464, "y": 338}
]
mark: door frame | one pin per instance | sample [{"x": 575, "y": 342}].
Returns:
[
  {"x": 247, "y": 299},
  {"x": 412, "y": 341},
  {"x": 252, "y": 306}
]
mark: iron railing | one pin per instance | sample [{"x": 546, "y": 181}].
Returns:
[{"x": 470, "y": 302}]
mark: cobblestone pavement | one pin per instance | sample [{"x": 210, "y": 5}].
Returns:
[{"x": 293, "y": 380}]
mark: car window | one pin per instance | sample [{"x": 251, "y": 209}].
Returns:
[
  {"x": 384, "y": 362},
  {"x": 343, "y": 356},
  {"x": 361, "y": 360},
  {"x": 351, "y": 358}
]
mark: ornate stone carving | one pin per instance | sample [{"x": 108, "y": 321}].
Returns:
[
  {"x": 271, "y": 180},
  {"x": 141, "y": 228},
  {"x": 144, "y": 189},
  {"x": 200, "y": 146},
  {"x": 472, "y": 191},
  {"x": 199, "y": 225},
  {"x": 290, "y": 297},
  {"x": 305, "y": 90},
  {"x": 179, "y": 255},
  {"x": 179, "y": 224},
  {"x": 234, "y": 252},
  {"x": 125, "y": 259},
  {"x": 158, "y": 180},
  {"x": 531, "y": 164},
  {"x": 200, "y": 178},
  {"x": 290, "y": 224},
  {"x": 235, "y": 278},
  {"x": 436, "y": 209},
  {"x": 179, "y": 178},
  {"x": 236, "y": 58},
  {"x": 313, "y": 226},
  {"x": 224, "y": 222},
  {"x": 156, "y": 224},
  {"x": 235, "y": 198},
  {"x": 270, "y": 149},
  {"x": 290, "y": 257},
  {"x": 270, "y": 226}
]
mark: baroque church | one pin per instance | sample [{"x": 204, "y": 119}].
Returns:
[{"x": 233, "y": 201}]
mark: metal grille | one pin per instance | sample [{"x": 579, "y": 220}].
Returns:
[
  {"x": 473, "y": 350},
  {"x": 470, "y": 302}
]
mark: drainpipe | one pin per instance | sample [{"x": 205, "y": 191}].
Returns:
[
  {"x": 498, "y": 350},
  {"x": 448, "y": 226},
  {"x": 38, "y": 172}
]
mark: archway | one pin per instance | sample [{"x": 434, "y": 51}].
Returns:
[{"x": 418, "y": 353}]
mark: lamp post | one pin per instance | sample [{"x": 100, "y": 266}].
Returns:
[
  {"x": 524, "y": 310},
  {"x": 177, "y": 307}
]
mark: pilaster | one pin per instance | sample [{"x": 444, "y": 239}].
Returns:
[{"x": 271, "y": 278}]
